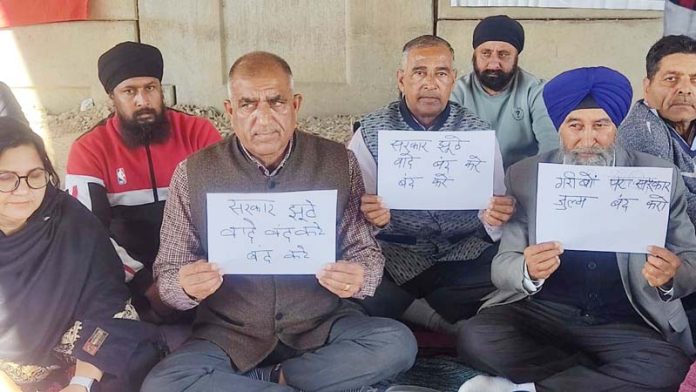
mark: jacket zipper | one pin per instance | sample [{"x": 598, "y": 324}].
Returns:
[{"x": 152, "y": 173}]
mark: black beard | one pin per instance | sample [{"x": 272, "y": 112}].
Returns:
[
  {"x": 495, "y": 80},
  {"x": 136, "y": 134}
]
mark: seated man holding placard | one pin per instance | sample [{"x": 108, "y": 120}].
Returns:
[
  {"x": 592, "y": 303},
  {"x": 438, "y": 167},
  {"x": 255, "y": 328}
]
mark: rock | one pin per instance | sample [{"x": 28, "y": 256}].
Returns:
[{"x": 86, "y": 104}]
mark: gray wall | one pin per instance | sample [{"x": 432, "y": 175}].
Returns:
[{"x": 344, "y": 53}]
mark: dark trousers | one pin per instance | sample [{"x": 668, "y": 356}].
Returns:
[
  {"x": 558, "y": 349},
  {"x": 453, "y": 288},
  {"x": 689, "y": 303},
  {"x": 360, "y": 351}
]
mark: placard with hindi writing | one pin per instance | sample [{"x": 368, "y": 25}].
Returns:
[
  {"x": 603, "y": 208},
  {"x": 284, "y": 233},
  {"x": 436, "y": 170}
]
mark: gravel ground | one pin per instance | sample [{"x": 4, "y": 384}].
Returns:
[{"x": 62, "y": 129}]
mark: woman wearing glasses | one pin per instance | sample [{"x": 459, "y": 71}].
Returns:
[{"x": 62, "y": 297}]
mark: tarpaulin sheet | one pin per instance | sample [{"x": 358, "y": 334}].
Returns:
[{"x": 28, "y": 12}]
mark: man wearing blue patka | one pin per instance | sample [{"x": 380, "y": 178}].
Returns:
[{"x": 584, "y": 320}]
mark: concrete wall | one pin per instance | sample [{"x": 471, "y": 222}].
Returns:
[
  {"x": 344, "y": 52},
  {"x": 561, "y": 39},
  {"x": 55, "y": 65}
]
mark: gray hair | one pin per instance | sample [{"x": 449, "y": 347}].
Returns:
[
  {"x": 255, "y": 63},
  {"x": 424, "y": 41}
]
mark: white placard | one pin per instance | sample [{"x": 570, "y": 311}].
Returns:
[
  {"x": 420, "y": 170},
  {"x": 285, "y": 233},
  {"x": 610, "y": 209},
  {"x": 657, "y": 5}
]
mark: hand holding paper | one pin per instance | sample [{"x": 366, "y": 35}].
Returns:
[
  {"x": 499, "y": 210},
  {"x": 374, "y": 210},
  {"x": 341, "y": 278},
  {"x": 200, "y": 279},
  {"x": 661, "y": 266},
  {"x": 542, "y": 259}
]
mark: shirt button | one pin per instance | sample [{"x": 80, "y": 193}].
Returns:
[
  {"x": 279, "y": 316},
  {"x": 592, "y": 296},
  {"x": 271, "y": 184},
  {"x": 591, "y": 265}
]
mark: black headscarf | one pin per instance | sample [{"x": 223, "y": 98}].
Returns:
[{"x": 60, "y": 268}]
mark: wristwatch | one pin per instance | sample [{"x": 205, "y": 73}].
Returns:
[{"x": 82, "y": 381}]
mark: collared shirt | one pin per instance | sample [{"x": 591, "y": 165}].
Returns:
[
  {"x": 689, "y": 149},
  {"x": 263, "y": 168},
  {"x": 180, "y": 243}
]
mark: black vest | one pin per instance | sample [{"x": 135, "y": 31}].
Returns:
[{"x": 591, "y": 282}]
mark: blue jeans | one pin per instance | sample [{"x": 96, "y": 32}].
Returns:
[{"x": 360, "y": 351}]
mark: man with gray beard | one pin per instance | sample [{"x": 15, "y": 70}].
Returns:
[{"x": 584, "y": 320}]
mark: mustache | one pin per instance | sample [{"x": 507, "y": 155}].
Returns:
[
  {"x": 490, "y": 73},
  {"x": 145, "y": 111},
  {"x": 600, "y": 156}
]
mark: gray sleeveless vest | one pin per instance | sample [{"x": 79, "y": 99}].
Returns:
[
  {"x": 416, "y": 240},
  {"x": 249, "y": 314}
]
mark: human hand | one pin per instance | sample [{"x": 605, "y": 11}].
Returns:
[
  {"x": 374, "y": 210},
  {"x": 200, "y": 279},
  {"x": 499, "y": 210},
  {"x": 341, "y": 278},
  {"x": 661, "y": 266},
  {"x": 543, "y": 259}
]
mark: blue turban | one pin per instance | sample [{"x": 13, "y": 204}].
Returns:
[{"x": 608, "y": 89}]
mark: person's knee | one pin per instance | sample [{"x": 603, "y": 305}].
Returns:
[
  {"x": 190, "y": 365},
  {"x": 156, "y": 380},
  {"x": 397, "y": 346},
  {"x": 673, "y": 367},
  {"x": 473, "y": 339}
]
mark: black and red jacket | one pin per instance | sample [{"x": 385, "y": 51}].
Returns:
[{"x": 127, "y": 187}]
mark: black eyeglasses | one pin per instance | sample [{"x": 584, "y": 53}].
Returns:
[{"x": 36, "y": 179}]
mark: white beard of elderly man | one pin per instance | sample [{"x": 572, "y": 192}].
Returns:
[{"x": 570, "y": 320}]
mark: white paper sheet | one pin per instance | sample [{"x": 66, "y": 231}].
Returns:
[
  {"x": 435, "y": 170},
  {"x": 285, "y": 233},
  {"x": 612, "y": 209},
  {"x": 657, "y": 5}
]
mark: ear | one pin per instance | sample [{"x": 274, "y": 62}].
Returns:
[
  {"x": 297, "y": 102},
  {"x": 646, "y": 84},
  {"x": 228, "y": 106},
  {"x": 400, "y": 74}
]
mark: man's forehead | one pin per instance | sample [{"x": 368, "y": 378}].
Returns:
[
  {"x": 260, "y": 86},
  {"x": 139, "y": 81},
  {"x": 496, "y": 46},
  {"x": 589, "y": 114},
  {"x": 678, "y": 63},
  {"x": 438, "y": 56}
]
